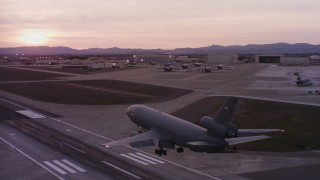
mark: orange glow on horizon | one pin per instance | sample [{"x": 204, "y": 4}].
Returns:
[{"x": 33, "y": 37}]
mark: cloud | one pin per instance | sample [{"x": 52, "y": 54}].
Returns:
[{"x": 171, "y": 23}]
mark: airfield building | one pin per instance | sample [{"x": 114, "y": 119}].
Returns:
[
  {"x": 270, "y": 58},
  {"x": 222, "y": 58},
  {"x": 186, "y": 59},
  {"x": 282, "y": 59},
  {"x": 295, "y": 61},
  {"x": 157, "y": 58}
]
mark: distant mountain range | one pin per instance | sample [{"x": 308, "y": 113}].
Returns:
[{"x": 278, "y": 48}]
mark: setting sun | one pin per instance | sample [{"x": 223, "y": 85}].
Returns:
[{"x": 33, "y": 37}]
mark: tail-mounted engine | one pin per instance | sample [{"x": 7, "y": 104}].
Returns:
[{"x": 223, "y": 129}]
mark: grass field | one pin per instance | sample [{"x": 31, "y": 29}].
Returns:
[
  {"x": 105, "y": 92},
  {"x": 11, "y": 74},
  {"x": 300, "y": 122}
]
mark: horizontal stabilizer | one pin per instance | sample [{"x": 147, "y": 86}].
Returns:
[
  {"x": 249, "y": 132},
  {"x": 239, "y": 140},
  {"x": 253, "y": 131}
]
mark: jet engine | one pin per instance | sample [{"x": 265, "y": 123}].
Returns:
[{"x": 225, "y": 130}]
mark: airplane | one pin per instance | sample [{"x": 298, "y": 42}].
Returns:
[
  {"x": 303, "y": 82},
  {"x": 168, "y": 67},
  {"x": 185, "y": 66},
  {"x": 222, "y": 67},
  {"x": 197, "y": 64},
  {"x": 213, "y": 136},
  {"x": 208, "y": 69}
]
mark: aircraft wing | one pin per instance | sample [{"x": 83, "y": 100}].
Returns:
[
  {"x": 239, "y": 140},
  {"x": 141, "y": 140}
]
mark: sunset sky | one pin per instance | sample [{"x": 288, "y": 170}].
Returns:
[{"x": 157, "y": 23}]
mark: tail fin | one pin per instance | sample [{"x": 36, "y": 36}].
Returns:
[
  {"x": 221, "y": 123},
  {"x": 226, "y": 111}
]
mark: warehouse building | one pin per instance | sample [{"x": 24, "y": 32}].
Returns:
[
  {"x": 222, "y": 58},
  {"x": 315, "y": 59},
  {"x": 283, "y": 60},
  {"x": 295, "y": 61}
]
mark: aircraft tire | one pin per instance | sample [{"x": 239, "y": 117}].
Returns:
[
  {"x": 180, "y": 150},
  {"x": 164, "y": 152},
  {"x": 157, "y": 151}
]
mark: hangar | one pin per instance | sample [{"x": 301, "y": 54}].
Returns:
[
  {"x": 283, "y": 60},
  {"x": 269, "y": 58}
]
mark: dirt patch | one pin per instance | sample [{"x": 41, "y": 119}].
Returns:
[
  {"x": 171, "y": 76},
  {"x": 81, "y": 70},
  {"x": 300, "y": 122},
  {"x": 96, "y": 92}
]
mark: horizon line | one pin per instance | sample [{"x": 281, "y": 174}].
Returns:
[{"x": 158, "y": 48}]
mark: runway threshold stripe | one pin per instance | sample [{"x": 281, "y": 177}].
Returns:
[
  {"x": 142, "y": 158},
  {"x": 64, "y": 166},
  {"x": 55, "y": 167},
  {"x": 151, "y": 158},
  {"x": 73, "y": 165},
  {"x": 30, "y": 114},
  {"x": 134, "y": 159},
  {"x": 122, "y": 170}
]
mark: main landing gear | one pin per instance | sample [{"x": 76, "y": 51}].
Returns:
[{"x": 160, "y": 152}]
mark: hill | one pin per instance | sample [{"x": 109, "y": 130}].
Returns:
[{"x": 278, "y": 48}]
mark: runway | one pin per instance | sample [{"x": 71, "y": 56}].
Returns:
[{"x": 128, "y": 162}]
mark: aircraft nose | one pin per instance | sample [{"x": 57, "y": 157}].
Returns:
[{"x": 131, "y": 110}]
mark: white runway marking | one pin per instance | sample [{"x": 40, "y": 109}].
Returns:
[
  {"x": 73, "y": 165},
  {"x": 64, "y": 165},
  {"x": 55, "y": 167},
  {"x": 122, "y": 170},
  {"x": 148, "y": 157},
  {"x": 134, "y": 159},
  {"x": 142, "y": 158},
  {"x": 30, "y": 114}
]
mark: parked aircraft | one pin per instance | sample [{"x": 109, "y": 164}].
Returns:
[
  {"x": 222, "y": 67},
  {"x": 303, "y": 82},
  {"x": 215, "y": 135},
  {"x": 197, "y": 64},
  {"x": 168, "y": 68},
  {"x": 185, "y": 66},
  {"x": 207, "y": 69}
]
